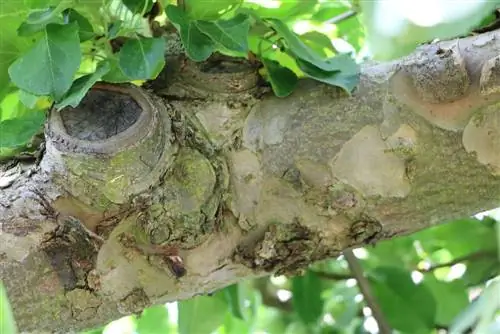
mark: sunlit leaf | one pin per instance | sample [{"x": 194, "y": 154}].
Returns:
[
  {"x": 7, "y": 322},
  {"x": 209, "y": 9}
]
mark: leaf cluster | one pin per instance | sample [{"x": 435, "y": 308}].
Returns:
[{"x": 54, "y": 51}]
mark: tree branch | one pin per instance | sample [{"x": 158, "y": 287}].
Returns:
[
  {"x": 333, "y": 276},
  {"x": 342, "y": 17},
  {"x": 364, "y": 287},
  {"x": 471, "y": 256}
]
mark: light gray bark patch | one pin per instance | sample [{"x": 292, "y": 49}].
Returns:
[
  {"x": 490, "y": 76},
  {"x": 482, "y": 136},
  {"x": 246, "y": 180},
  {"x": 365, "y": 163}
]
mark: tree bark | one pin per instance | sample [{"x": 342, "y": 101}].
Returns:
[{"x": 202, "y": 179}]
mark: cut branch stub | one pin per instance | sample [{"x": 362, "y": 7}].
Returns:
[
  {"x": 220, "y": 75},
  {"x": 114, "y": 145},
  {"x": 439, "y": 75}
]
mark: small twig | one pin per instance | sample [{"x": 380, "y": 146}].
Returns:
[
  {"x": 341, "y": 17},
  {"x": 364, "y": 287},
  {"x": 333, "y": 276},
  {"x": 471, "y": 256}
]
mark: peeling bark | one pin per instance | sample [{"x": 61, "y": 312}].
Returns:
[{"x": 204, "y": 178}]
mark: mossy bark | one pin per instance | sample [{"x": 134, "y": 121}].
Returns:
[{"x": 241, "y": 183}]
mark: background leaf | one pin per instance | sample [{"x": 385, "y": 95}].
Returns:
[
  {"x": 393, "y": 32},
  {"x": 306, "y": 299},
  {"x": 451, "y": 298},
  {"x": 202, "y": 315},
  {"x": 235, "y": 300},
  {"x": 7, "y": 323},
  {"x": 154, "y": 320},
  {"x": 409, "y": 307}
]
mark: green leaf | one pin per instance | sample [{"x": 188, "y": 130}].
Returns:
[
  {"x": 451, "y": 298},
  {"x": 154, "y": 320},
  {"x": 11, "y": 46},
  {"x": 346, "y": 80},
  {"x": 282, "y": 79},
  {"x": 198, "y": 46},
  {"x": 210, "y": 9},
  {"x": 234, "y": 325},
  {"x": 318, "y": 42},
  {"x": 29, "y": 100},
  {"x": 235, "y": 300},
  {"x": 202, "y": 314},
  {"x": 307, "y": 302},
  {"x": 138, "y": 6},
  {"x": 85, "y": 31},
  {"x": 114, "y": 29},
  {"x": 48, "y": 68},
  {"x": 82, "y": 85},
  {"x": 28, "y": 29},
  {"x": 115, "y": 74},
  {"x": 449, "y": 236},
  {"x": 301, "y": 50},
  {"x": 289, "y": 10},
  {"x": 7, "y": 323},
  {"x": 44, "y": 16},
  {"x": 11, "y": 106},
  {"x": 142, "y": 58},
  {"x": 231, "y": 34},
  {"x": 408, "y": 307},
  {"x": 480, "y": 270},
  {"x": 18, "y": 131}
]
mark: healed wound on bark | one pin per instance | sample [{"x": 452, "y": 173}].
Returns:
[{"x": 206, "y": 166}]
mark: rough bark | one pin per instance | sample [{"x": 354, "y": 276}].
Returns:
[{"x": 204, "y": 172}]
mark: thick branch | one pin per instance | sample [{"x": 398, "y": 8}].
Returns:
[{"x": 236, "y": 183}]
